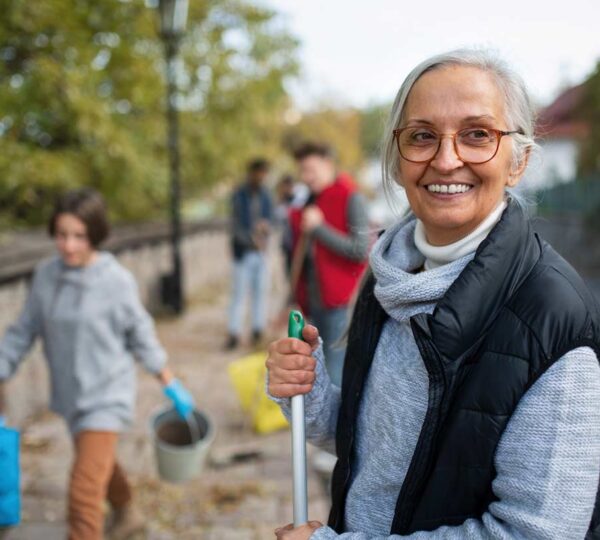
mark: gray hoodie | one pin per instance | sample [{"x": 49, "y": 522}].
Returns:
[{"x": 91, "y": 322}]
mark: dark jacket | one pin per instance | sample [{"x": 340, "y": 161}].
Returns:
[
  {"x": 515, "y": 309},
  {"x": 243, "y": 220}
]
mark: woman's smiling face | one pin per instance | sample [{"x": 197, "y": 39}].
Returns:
[{"x": 448, "y": 100}]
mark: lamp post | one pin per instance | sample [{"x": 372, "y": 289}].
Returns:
[{"x": 173, "y": 16}]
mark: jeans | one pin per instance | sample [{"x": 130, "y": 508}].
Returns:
[
  {"x": 332, "y": 324},
  {"x": 95, "y": 476},
  {"x": 250, "y": 274}
]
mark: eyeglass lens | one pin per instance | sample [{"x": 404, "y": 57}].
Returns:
[{"x": 474, "y": 145}]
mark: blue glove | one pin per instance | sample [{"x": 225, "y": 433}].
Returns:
[{"x": 182, "y": 400}]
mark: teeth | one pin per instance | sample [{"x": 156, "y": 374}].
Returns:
[{"x": 448, "y": 188}]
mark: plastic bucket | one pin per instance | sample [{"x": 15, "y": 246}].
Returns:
[{"x": 178, "y": 457}]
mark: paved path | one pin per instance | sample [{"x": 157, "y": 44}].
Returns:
[{"x": 245, "y": 501}]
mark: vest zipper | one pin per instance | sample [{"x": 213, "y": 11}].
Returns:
[
  {"x": 373, "y": 333},
  {"x": 418, "y": 470}
]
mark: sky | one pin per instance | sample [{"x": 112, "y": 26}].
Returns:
[{"x": 357, "y": 52}]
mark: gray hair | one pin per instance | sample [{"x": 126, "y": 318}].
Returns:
[{"x": 519, "y": 111}]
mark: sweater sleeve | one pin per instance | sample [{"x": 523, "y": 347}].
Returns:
[
  {"x": 322, "y": 405},
  {"x": 139, "y": 330},
  {"x": 20, "y": 336},
  {"x": 355, "y": 244},
  {"x": 547, "y": 462}
]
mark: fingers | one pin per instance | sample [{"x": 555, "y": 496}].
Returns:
[
  {"x": 291, "y": 362},
  {"x": 303, "y": 532},
  {"x": 291, "y": 377},
  {"x": 310, "y": 334},
  {"x": 287, "y": 383},
  {"x": 291, "y": 368},
  {"x": 279, "y": 533},
  {"x": 290, "y": 346}
]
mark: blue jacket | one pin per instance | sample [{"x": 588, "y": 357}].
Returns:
[{"x": 242, "y": 220}]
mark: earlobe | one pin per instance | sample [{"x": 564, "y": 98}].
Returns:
[
  {"x": 516, "y": 173},
  {"x": 513, "y": 179}
]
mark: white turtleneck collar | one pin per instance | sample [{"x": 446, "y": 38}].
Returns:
[{"x": 436, "y": 256}]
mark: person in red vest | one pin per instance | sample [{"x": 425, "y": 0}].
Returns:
[{"x": 330, "y": 239}]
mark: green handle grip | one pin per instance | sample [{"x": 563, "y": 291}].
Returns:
[{"x": 295, "y": 324}]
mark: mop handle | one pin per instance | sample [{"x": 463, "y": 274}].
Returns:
[{"x": 295, "y": 326}]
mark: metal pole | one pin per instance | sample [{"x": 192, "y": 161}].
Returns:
[
  {"x": 299, "y": 461},
  {"x": 295, "y": 326},
  {"x": 175, "y": 299}
]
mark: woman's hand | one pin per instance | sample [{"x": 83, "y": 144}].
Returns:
[
  {"x": 291, "y": 364},
  {"x": 304, "y": 532},
  {"x": 182, "y": 400},
  {"x": 260, "y": 235}
]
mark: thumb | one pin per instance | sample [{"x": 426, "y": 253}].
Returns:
[{"x": 310, "y": 334}]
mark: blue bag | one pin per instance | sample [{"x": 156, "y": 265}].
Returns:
[{"x": 10, "y": 491}]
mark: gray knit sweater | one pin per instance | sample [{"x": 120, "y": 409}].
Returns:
[
  {"x": 548, "y": 459},
  {"x": 92, "y": 325}
]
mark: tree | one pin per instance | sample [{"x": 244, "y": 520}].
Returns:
[
  {"x": 82, "y": 100},
  {"x": 372, "y": 124},
  {"x": 340, "y": 128},
  {"x": 589, "y": 111}
]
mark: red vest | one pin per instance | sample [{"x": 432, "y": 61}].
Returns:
[{"x": 338, "y": 276}]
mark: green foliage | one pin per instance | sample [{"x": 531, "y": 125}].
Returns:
[
  {"x": 82, "y": 100},
  {"x": 341, "y": 128},
  {"x": 372, "y": 123},
  {"x": 589, "y": 111}
]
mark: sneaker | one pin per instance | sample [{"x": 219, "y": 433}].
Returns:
[
  {"x": 126, "y": 522},
  {"x": 232, "y": 342}
]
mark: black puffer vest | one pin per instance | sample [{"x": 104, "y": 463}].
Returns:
[{"x": 515, "y": 309}]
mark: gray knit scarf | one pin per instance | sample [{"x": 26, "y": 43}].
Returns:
[{"x": 401, "y": 289}]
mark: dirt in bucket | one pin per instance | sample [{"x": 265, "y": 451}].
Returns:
[{"x": 176, "y": 433}]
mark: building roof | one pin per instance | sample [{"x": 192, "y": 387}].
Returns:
[{"x": 559, "y": 120}]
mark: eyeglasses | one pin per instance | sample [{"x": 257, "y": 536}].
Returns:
[{"x": 472, "y": 145}]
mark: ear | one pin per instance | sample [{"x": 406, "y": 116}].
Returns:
[{"x": 517, "y": 170}]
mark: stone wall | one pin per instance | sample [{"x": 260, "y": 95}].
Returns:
[{"x": 206, "y": 260}]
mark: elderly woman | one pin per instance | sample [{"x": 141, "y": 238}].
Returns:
[{"x": 470, "y": 401}]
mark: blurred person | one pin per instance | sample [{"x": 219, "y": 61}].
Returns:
[
  {"x": 290, "y": 194},
  {"x": 285, "y": 199},
  {"x": 85, "y": 307},
  {"x": 330, "y": 237},
  {"x": 470, "y": 400},
  {"x": 285, "y": 191},
  {"x": 251, "y": 222}
]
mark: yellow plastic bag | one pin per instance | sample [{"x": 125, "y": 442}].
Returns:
[{"x": 248, "y": 377}]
